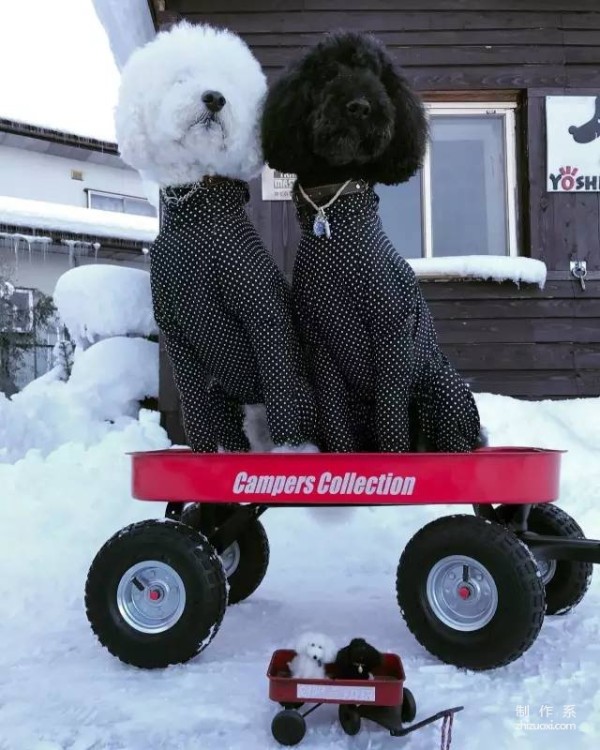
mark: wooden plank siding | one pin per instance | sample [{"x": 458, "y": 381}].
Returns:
[{"x": 523, "y": 342}]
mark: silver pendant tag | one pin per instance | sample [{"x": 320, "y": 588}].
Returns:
[{"x": 321, "y": 226}]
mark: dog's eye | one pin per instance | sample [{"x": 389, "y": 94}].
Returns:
[{"x": 312, "y": 644}]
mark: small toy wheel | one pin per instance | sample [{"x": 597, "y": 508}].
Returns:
[
  {"x": 409, "y": 706},
  {"x": 566, "y": 581},
  {"x": 470, "y": 592},
  {"x": 288, "y": 727},
  {"x": 246, "y": 560},
  {"x": 349, "y": 719},
  {"x": 156, "y": 594}
]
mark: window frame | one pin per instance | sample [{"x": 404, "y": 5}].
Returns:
[
  {"x": 123, "y": 196},
  {"x": 507, "y": 110}
]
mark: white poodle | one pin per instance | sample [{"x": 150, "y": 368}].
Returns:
[
  {"x": 189, "y": 106},
  {"x": 313, "y": 652},
  {"x": 188, "y": 119}
]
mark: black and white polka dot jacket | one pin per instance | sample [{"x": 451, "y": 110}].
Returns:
[
  {"x": 225, "y": 312},
  {"x": 379, "y": 376}
]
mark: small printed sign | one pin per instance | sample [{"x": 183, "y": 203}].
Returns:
[
  {"x": 277, "y": 186},
  {"x": 336, "y": 693},
  {"x": 573, "y": 143}
]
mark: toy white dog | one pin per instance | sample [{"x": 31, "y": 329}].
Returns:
[
  {"x": 313, "y": 652},
  {"x": 188, "y": 119}
]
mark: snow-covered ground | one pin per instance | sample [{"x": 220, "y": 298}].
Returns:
[{"x": 59, "y": 690}]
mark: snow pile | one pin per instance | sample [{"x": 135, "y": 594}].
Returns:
[
  {"x": 77, "y": 220},
  {"x": 59, "y": 72},
  {"x": 98, "y": 301},
  {"x": 483, "y": 267},
  {"x": 56, "y": 513},
  {"x": 114, "y": 375}
]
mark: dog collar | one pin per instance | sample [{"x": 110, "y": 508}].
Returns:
[
  {"x": 321, "y": 223},
  {"x": 323, "y": 192}
]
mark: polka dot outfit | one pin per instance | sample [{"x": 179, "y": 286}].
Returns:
[
  {"x": 371, "y": 345},
  {"x": 225, "y": 312}
]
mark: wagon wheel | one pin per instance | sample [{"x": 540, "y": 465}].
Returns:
[
  {"x": 246, "y": 560},
  {"x": 409, "y": 706},
  {"x": 156, "y": 594},
  {"x": 349, "y": 718},
  {"x": 470, "y": 592},
  {"x": 288, "y": 727},
  {"x": 566, "y": 581}
]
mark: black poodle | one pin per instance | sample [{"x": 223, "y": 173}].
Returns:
[
  {"x": 357, "y": 661},
  {"x": 343, "y": 118}
]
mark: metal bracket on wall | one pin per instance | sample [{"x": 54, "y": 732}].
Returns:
[{"x": 579, "y": 271}]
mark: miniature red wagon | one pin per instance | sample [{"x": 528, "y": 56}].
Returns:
[
  {"x": 384, "y": 700},
  {"x": 473, "y": 589}
]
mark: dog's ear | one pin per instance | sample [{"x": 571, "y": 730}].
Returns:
[
  {"x": 132, "y": 138},
  {"x": 283, "y": 124},
  {"x": 404, "y": 156},
  {"x": 303, "y": 641}
]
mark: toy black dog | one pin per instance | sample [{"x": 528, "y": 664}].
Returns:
[
  {"x": 357, "y": 660},
  {"x": 381, "y": 381}
]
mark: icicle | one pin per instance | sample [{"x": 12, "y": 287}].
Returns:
[{"x": 96, "y": 247}]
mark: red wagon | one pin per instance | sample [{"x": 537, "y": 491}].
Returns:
[
  {"x": 473, "y": 589},
  {"x": 384, "y": 700}
]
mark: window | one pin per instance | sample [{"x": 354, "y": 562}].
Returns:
[
  {"x": 127, "y": 204},
  {"x": 463, "y": 201}
]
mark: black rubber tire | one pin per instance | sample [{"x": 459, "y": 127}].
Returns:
[
  {"x": 521, "y": 599},
  {"x": 572, "y": 578},
  {"x": 288, "y": 727},
  {"x": 200, "y": 569},
  {"x": 409, "y": 706},
  {"x": 350, "y": 720},
  {"x": 253, "y": 547}
]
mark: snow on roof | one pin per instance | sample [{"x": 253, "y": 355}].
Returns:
[
  {"x": 128, "y": 24},
  {"x": 483, "y": 267},
  {"x": 59, "y": 71},
  {"x": 91, "y": 221}
]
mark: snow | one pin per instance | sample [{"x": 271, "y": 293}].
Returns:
[
  {"x": 60, "y": 71},
  {"x": 78, "y": 220},
  {"x": 59, "y": 689},
  {"x": 114, "y": 375},
  {"x": 128, "y": 24},
  {"x": 484, "y": 267},
  {"x": 98, "y": 301}
]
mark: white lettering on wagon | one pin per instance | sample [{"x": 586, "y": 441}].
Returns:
[
  {"x": 327, "y": 483},
  {"x": 336, "y": 693}
]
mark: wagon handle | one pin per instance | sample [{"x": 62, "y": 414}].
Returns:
[{"x": 447, "y": 715}]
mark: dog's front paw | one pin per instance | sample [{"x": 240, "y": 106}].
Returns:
[{"x": 302, "y": 448}]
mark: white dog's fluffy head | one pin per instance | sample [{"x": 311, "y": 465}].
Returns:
[
  {"x": 165, "y": 127},
  {"x": 317, "y": 646}
]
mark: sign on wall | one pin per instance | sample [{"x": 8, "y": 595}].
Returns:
[
  {"x": 573, "y": 143},
  {"x": 277, "y": 186}
]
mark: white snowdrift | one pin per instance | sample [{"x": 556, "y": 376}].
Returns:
[
  {"x": 98, "y": 301},
  {"x": 56, "y": 513},
  {"x": 114, "y": 375},
  {"x": 63, "y": 218},
  {"x": 482, "y": 267}
]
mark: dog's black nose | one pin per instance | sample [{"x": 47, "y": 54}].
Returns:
[
  {"x": 359, "y": 108},
  {"x": 214, "y": 100}
]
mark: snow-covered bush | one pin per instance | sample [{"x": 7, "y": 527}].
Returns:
[{"x": 99, "y": 301}]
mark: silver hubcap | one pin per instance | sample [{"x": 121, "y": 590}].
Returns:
[
  {"x": 547, "y": 570},
  {"x": 230, "y": 559},
  {"x": 151, "y": 596},
  {"x": 462, "y": 593}
]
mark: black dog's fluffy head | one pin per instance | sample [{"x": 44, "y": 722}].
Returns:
[
  {"x": 357, "y": 652},
  {"x": 344, "y": 111}
]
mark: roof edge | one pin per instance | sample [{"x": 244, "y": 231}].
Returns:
[{"x": 57, "y": 136}]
